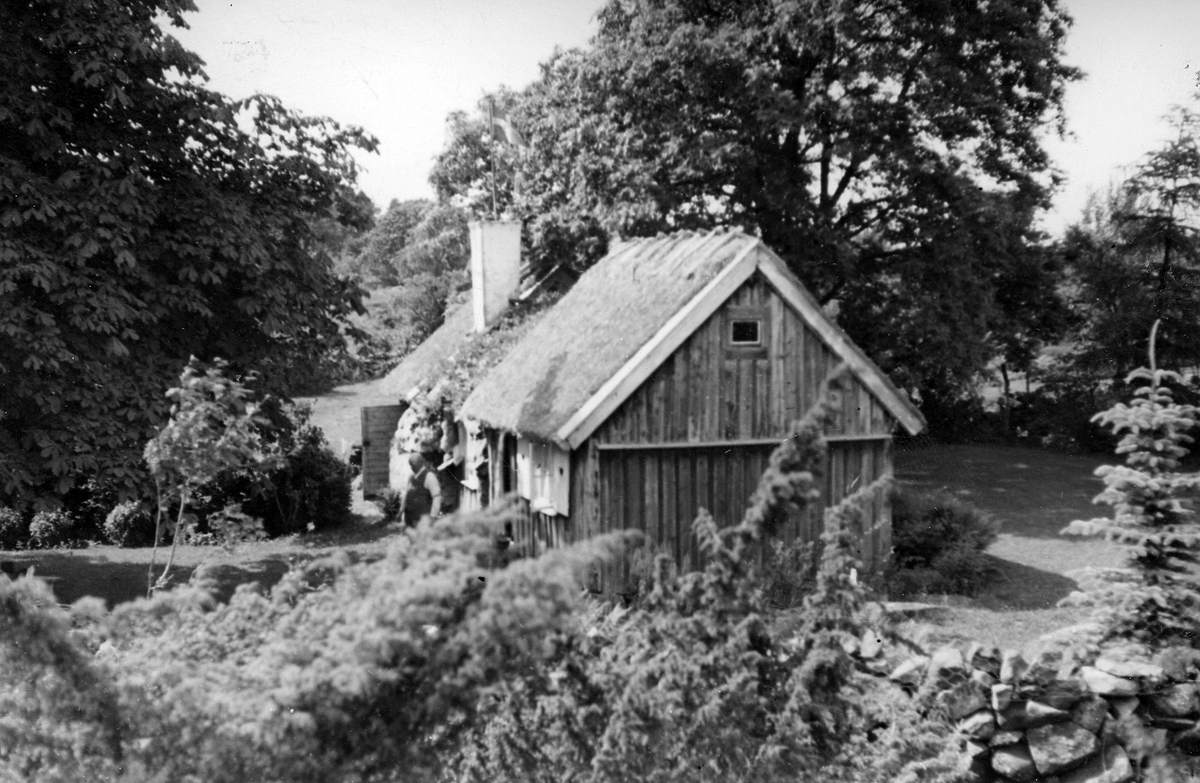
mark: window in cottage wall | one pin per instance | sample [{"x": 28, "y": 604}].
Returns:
[
  {"x": 473, "y": 445},
  {"x": 747, "y": 332},
  {"x": 544, "y": 477}
]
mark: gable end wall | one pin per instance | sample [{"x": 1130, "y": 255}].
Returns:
[
  {"x": 699, "y": 431},
  {"x": 705, "y": 392}
]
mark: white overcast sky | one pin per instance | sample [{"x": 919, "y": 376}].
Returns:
[{"x": 398, "y": 67}]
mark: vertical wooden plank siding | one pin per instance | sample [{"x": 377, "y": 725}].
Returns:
[
  {"x": 378, "y": 426},
  {"x": 706, "y": 394},
  {"x": 660, "y": 492}
]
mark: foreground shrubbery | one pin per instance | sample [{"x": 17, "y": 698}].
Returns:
[
  {"x": 938, "y": 544},
  {"x": 445, "y": 662}
]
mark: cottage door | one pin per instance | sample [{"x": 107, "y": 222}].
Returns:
[{"x": 378, "y": 426}]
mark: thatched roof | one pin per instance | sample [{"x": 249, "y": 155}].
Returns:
[
  {"x": 416, "y": 367},
  {"x": 624, "y": 317},
  {"x": 614, "y": 309}
]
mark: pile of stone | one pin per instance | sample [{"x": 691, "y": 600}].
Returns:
[{"x": 1049, "y": 719}]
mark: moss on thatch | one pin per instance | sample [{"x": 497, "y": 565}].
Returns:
[{"x": 614, "y": 309}]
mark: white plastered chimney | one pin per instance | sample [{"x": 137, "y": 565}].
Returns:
[{"x": 495, "y": 268}]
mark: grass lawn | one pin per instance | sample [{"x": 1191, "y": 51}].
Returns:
[
  {"x": 1034, "y": 494},
  {"x": 119, "y": 575}
]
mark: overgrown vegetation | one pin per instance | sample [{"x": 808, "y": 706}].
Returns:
[
  {"x": 454, "y": 377},
  {"x": 446, "y": 661},
  {"x": 938, "y": 544}
]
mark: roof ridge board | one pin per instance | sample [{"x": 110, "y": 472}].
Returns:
[{"x": 711, "y": 241}]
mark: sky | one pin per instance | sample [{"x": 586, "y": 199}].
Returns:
[{"x": 398, "y": 67}]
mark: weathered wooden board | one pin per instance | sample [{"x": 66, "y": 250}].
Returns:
[{"x": 378, "y": 427}]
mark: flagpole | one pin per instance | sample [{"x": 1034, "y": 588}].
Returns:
[{"x": 492, "y": 150}]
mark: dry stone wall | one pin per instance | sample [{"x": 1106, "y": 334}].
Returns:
[{"x": 1050, "y": 719}]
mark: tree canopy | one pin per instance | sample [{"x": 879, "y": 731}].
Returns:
[
  {"x": 1135, "y": 258},
  {"x": 145, "y": 219},
  {"x": 881, "y": 148}
]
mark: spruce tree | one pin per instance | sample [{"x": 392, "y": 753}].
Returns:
[{"x": 1156, "y": 600}]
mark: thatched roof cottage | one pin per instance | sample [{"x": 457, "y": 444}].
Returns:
[{"x": 659, "y": 384}]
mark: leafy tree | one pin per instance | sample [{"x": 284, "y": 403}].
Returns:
[
  {"x": 145, "y": 219},
  {"x": 376, "y": 262},
  {"x": 438, "y": 244},
  {"x": 877, "y": 147},
  {"x": 1161, "y": 213},
  {"x": 1156, "y": 600},
  {"x": 210, "y": 433},
  {"x": 1106, "y": 291},
  {"x": 1135, "y": 259}
]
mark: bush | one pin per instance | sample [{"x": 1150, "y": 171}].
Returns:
[
  {"x": 938, "y": 543},
  {"x": 129, "y": 524},
  {"x": 311, "y": 490},
  {"x": 391, "y": 503},
  {"x": 1059, "y": 413},
  {"x": 14, "y": 530},
  {"x": 50, "y": 529},
  {"x": 297, "y": 485}
]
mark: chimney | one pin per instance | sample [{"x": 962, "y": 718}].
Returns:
[{"x": 495, "y": 268}]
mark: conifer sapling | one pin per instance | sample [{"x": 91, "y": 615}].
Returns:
[{"x": 1156, "y": 600}]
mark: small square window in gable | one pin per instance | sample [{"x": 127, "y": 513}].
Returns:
[{"x": 746, "y": 332}]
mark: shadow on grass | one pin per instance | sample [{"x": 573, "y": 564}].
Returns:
[
  {"x": 1016, "y": 586},
  {"x": 74, "y": 575},
  {"x": 1033, "y": 493}
]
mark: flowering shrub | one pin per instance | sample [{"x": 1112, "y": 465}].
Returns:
[
  {"x": 49, "y": 529},
  {"x": 129, "y": 524}
]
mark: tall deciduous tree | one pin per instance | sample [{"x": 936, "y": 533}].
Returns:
[
  {"x": 376, "y": 261},
  {"x": 871, "y": 144},
  {"x": 1135, "y": 258},
  {"x": 145, "y": 218}
]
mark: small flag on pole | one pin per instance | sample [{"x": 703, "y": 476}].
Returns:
[{"x": 503, "y": 129}]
